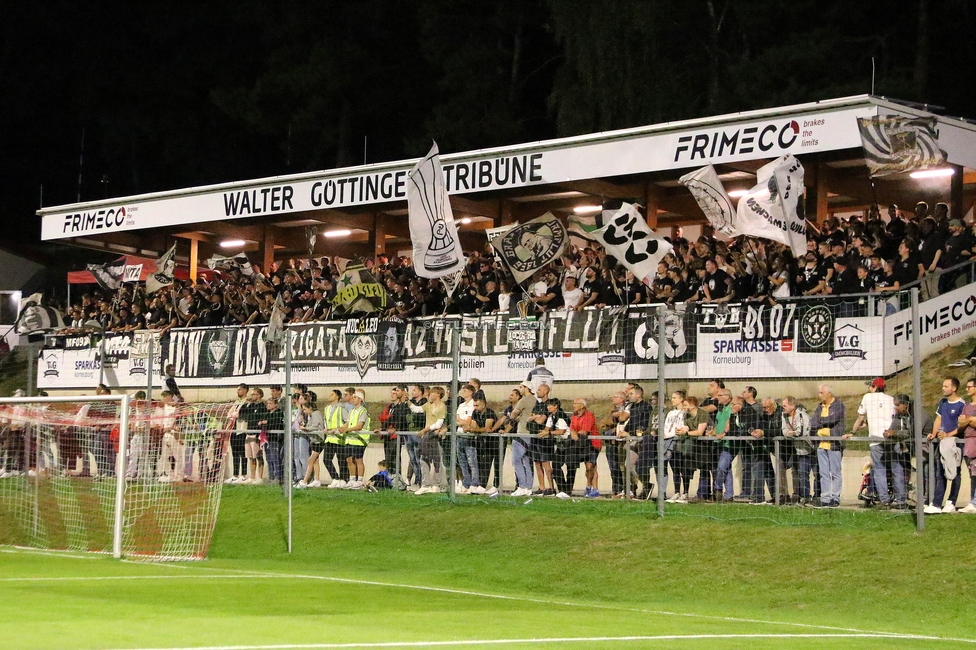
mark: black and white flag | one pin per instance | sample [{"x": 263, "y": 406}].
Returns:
[
  {"x": 108, "y": 276},
  {"x": 773, "y": 209},
  {"x": 163, "y": 275},
  {"x": 276, "y": 323},
  {"x": 436, "y": 247},
  {"x": 895, "y": 145},
  {"x": 238, "y": 262},
  {"x": 34, "y": 317},
  {"x": 711, "y": 197},
  {"x": 528, "y": 247},
  {"x": 626, "y": 236}
]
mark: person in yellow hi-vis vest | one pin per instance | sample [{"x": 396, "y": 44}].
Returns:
[
  {"x": 827, "y": 420},
  {"x": 335, "y": 417},
  {"x": 356, "y": 431}
]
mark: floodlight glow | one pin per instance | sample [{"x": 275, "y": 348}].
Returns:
[
  {"x": 737, "y": 193},
  {"x": 586, "y": 209},
  {"x": 232, "y": 243},
  {"x": 337, "y": 233},
  {"x": 466, "y": 220},
  {"x": 933, "y": 173}
]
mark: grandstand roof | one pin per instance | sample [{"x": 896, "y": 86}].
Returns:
[{"x": 491, "y": 187}]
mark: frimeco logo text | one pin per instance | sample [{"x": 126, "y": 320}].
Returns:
[{"x": 702, "y": 146}]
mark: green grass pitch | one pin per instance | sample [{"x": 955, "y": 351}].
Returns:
[{"x": 389, "y": 570}]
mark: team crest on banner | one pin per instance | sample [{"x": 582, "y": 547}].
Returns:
[
  {"x": 848, "y": 341},
  {"x": 219, "y": 349},
  {"x": 532, "y": 245}
]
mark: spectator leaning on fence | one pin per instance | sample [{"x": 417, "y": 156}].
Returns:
[
  {"x": 674, "y": 419},
  {"x": 522, "y": 445},
  {"x": 828, "y": 421},
  {"x": 945, "y": 450},
  {"x": 969, "y": 444},
  {"x": 878, "y": 409},
  {"x": 435, "y": 412},
  {"x": 796, "y": 425},
  {"x": 582, "y": 425}
]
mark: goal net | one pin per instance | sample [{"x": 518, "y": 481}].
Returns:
[{"x": 111, "y": 475}]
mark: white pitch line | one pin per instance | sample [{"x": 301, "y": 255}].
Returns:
[
  {"x": 19, "y": 550},
  {"x": 245, "y": 575},
  {"x": 590, "y": 639}
]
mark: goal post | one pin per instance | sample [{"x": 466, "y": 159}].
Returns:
[{"x": 110, "y": 474}]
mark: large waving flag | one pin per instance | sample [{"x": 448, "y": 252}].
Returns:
[
  {"x": 163, "y": 275},
  {"x": 108, "y": 276},
  {"x": 624, "y": 233},
  {"x": 529, "y": 246},
  {"x": 238, "y": 262},
  {"x": 34, "y": 317},
  {"x": 358, "y": 291},
  {"x": 711, "y": 197},
  {"x": 436, "y": 247},
  {"x": 773, "y": 209},
  {"x": 894, "y": 145}
]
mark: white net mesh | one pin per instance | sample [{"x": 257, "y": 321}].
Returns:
[{"x": 59, "y": 475}]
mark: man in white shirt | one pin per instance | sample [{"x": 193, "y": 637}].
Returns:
[
  {"x": 572, "y": 295},
  {"x": 878, "y": 409}
]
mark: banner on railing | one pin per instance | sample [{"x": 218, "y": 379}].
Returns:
[{"x": 800, "y": 339}]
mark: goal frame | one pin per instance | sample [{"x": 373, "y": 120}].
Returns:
[{"x": 123, "y": 400}]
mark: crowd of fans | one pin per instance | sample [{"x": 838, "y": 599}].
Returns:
[
  {"x": 550, "y": 440},
  {"x": 843, "y": 257}
]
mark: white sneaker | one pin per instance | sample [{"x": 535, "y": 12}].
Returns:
[
  {"x": 477, "y": 489},
  {"x": 315, "y": 484},
  {"x": 672, "y": 499},
  {"x": 165, "y": 479},
  {"x": 229, "y": 481},
  {"x": 32, "y": 473},
  {"x": 354, "y": 485},
  {"x": 949, "y": 508},
  {"x": 257, "y": 481},
  {"x": 562, "y": 495},
  {"x": 932, "y": 510},
  {"x": 969, "y": 510},
  {"x": 422, "y": 490},
  {"x": 338, "y": 484},
  {"x": 434, "y": 489},
  {"x": 682, "y": 499},
  {"x": 460, "y": 489},
  {"x": 493, "y": 492},
  {"x": 247, "y": 481},
  {"x": 301, "y": 485}
]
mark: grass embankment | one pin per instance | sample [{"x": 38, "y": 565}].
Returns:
[{"x": 850, "y": 569}]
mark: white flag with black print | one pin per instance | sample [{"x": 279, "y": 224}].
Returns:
[
  {"x": 626, "y": 235},
  {"x": 276, "y": 323},
  {"x": 238, "y": 262},
  {"x": 773, "y": 209},
  {"x": 436, "y": 247},
  {"x": 34, "y": 317},
  {"x": 894, "y": 145},
  {"x": 163, "y": 275},
  {"x": 711, "y": 197},
  {"x": 108, "y": 276}
]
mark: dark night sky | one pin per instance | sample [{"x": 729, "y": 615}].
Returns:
[{"x": 171, "y": 94}]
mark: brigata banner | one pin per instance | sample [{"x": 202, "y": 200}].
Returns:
[{"x": 801, "y": 339}]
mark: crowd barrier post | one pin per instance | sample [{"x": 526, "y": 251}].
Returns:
[
  {"x": 451, "y": 470},
  {"x": 917, "y": 398},
  {"x": 289, "y": 464},
  {"x": 149, "y": 371},
  {"x": 777, "y": 473},
  {"x": 101, "y": 359},
  {"x": 662, "y": 402},
  {"x": 31, "y": 362}
]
